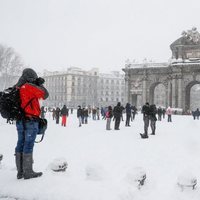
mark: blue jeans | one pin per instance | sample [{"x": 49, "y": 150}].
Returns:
[{"x": 27, "y": 132}]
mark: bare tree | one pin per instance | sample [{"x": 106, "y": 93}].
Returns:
[{"x": 11, "y": 65}]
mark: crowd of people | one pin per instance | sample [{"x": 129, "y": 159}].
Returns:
[
  {"x": 150, "y": 115},
  {"x": 31, "y": 90}
]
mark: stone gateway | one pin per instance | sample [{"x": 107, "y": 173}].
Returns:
[{"x": 176, "y": 77}]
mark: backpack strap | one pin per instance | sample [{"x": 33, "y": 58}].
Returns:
[
  {"x": 29, "y": 102},
  {"x": 40, "y": 139}
]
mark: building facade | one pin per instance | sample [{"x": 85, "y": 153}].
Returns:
[
  {"x": 111, "y": 89},
  {"x": 86, "y": 88}
]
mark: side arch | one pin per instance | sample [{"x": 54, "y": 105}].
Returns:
[{"x": 187, "y": 93}]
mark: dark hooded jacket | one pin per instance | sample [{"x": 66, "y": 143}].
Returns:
[
  {"x": 117, "y": 111},
  {"x": 31, "y": 92}
]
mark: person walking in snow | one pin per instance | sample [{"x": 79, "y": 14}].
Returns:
[
  {"x": 64, "y": 113},
  {"x": 31, "y": 89}
]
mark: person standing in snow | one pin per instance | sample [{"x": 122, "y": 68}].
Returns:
[
  {"x": 128, "y": 114},
  {"x": 79, "y": 115},
  {"x": 117, "y": 112},
  {"x": 31, "y": 89},
  {"x": 153, "y": 118},
  {"x": 57, "y": 115},
  {"x": 169, "y": 114},
  {"x": 109, "y": 115},
  {"x": 85, "y": 113},
  {"x": 146, "y": 118}
]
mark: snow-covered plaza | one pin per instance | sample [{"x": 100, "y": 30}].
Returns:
[{"x": 102, "y": 164}]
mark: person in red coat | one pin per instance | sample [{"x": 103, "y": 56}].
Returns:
[{"x": 31, "y": 90}]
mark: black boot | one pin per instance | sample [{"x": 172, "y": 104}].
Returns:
[
  {"x": 144, "y": 135},
  {"x": 19, "y": 165},
  {"x": 28, "y": 167}
]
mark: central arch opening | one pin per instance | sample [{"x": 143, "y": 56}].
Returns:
[{"x": 158, "y": 95}]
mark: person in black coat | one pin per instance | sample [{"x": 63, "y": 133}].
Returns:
[
  {"x": 146, "y": 118},
  {"x": 128, "y": 114},
  {"x": 79, "y": 115},
  {"x": 153, "y": 118},
  {"x": 117, "y": 111},
  {"x": 57, "y": 115}
]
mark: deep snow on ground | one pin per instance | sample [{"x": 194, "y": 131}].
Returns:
[{"x": 102, "y": 164}]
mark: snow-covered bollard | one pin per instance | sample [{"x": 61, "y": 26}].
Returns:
[
  {"x": 59, "y": 165},
  {"x": 94, "y": 172},
  {"x": 186, "y": 180},
  {"x": 136, "y": 176}
]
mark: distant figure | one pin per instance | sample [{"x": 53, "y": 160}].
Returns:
[
  {"x": 128, "y": 114},
  {"x": 117, "y": 112},
  {"x": 71, "y": 110},
  {"x": 169, "y": 114},
  {"x": 163, "y": 112},
  {"x": 109, "y": 115},
  {"x": 153, "y": 118},
  {"x": 64, "y": 114},
  {"x": 146, "y": 118},
  {"x": 42, "y": 115},
  {"x": 160, "y": 113},
  {"x": 94, "y": 113},
  {"x": 134, "y": 112},
  {"x": 86, "y": 114},
  {"x": 196, "y": 114},
  {"x": 79, "y": 115},
  {"x": 54, "y": 113},
  {"x": 57, "y": 115}
]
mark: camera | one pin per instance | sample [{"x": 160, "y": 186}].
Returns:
[{"x": 39, "y": 81}]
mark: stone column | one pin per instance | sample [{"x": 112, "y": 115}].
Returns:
[
  {"x": 127, "y": 88},
  {"x": 144, "y": 90},
  {"x": 180, "y": 93},
  {"x": 174, "y": 92},
  {"x": 169, "y": 92}
]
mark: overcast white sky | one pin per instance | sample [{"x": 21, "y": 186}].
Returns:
[{"x": 56, "y": 34}]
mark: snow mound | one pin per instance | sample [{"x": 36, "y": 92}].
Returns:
[
  {"x": 136, "y": 176},
  {"x": 59, "y": 165},
  {"x": 187, "y": 179}
]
